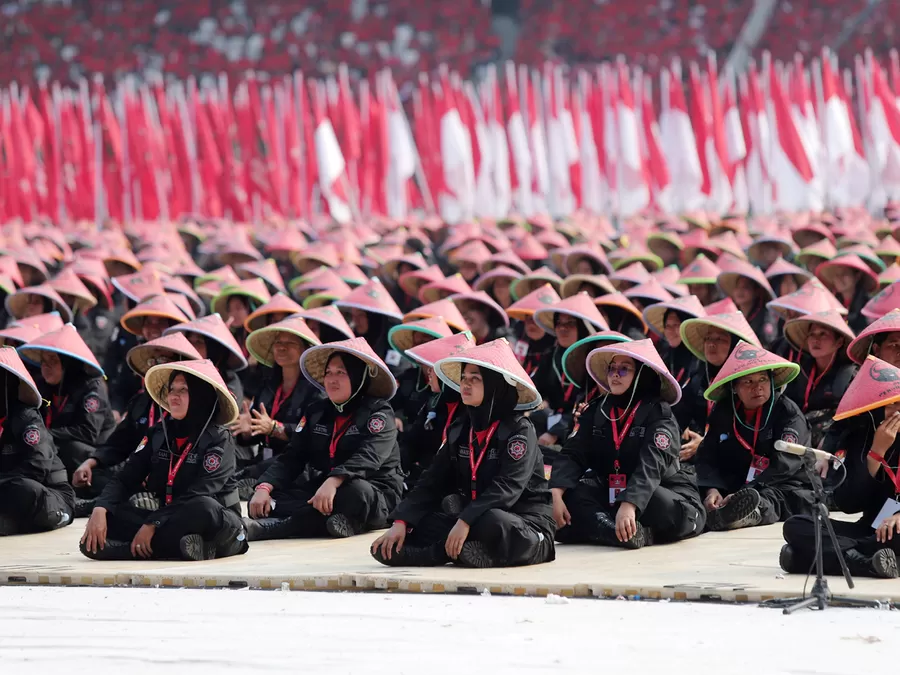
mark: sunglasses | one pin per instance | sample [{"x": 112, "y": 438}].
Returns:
[{"x": 620, "y": 371}]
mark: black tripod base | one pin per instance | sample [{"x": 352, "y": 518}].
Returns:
[{"x": 820, "y": 597}]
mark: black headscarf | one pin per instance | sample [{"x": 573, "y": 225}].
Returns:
[
  {"x": 646, "y": 385},
  {"x": 203, "y": 401},
  {"x": 359, "y": 385},
  {"x": 558, "y": 350},
  {"x": 10, "y": 385},
  {"x": 500, "y": 400},
  {"x": 376, "y": 336}
]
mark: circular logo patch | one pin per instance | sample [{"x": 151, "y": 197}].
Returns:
[
  {"x": 32, "y": 436},
  {"x": 661, "y": 441},
  {"x": 376, "y": 425},
  {"x": 91, "y": 404},
  {"x": 211, "y": 462},
  {"x": 789, "y": 437},
  {"x": 516, "y": 449}
]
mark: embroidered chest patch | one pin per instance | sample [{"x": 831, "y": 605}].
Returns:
[
  {"x": 517, "y": 449},
  {"x": 661, "y": 440},
  {"x": 32, "y": 436}
]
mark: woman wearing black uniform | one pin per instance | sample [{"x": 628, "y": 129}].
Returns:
[
  {"x": 484, "y": 501},
  {"x": 484, "y": 317},
  {"x": 372, "y": 312},
  {"x": 622, "y": 316},
  {"x": 744, "y": 481},
  {"x": 35, "y": 495},
  {"x": 532, "y": 344},
  {"x": 665, "y": 319},
  {"x": 346, "y": 454},
  {"x": 864, "y": 434},
  {"x": 639, "y": 492},
  {"x": 748, "y": 287},
  {"x": 853, "y": 282},
  {"x": 187, "y": 463}
]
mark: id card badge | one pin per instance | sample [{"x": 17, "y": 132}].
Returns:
[
  {"x": 757, "y": 466},
  {"x": 553, "y": 420},
  {"x": 617, "y": 484},
  {"x": 521, "y": 350},
  {"x": 392, "y": 358},
  {"x": 267, "y": 453},
  {"x": 891, "y": 506}
]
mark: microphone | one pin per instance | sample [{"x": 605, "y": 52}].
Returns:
[{"x": 797, "y": 449}]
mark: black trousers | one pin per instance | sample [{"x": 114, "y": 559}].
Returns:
[
  {"x": 36, "y": 507},
  {"x": 357, "y": 499},
  {"x": 510, "y": 539},
  {"x": 200, "y": 515},
  {"x": 800, "y": 533},
  {"x": 669, "y": 515},
  {"x": 73, "y": 453}
]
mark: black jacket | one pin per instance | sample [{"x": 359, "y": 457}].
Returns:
[
  {"x": 724, "y": 464},
  {"x": 367, "y": 450},
  {"x": 123, "y": 383},
  {"x": 206, "y": 472},
  {"x": 130, "y": 431},
  {"x": 648, "y": 455},
  {"x": 764, "y": 325},
  {"x": 290, "y": 413},
  {"x": 680, "y": 361},
  {"x": 412, "y": 394},
  {"x": 560, "y": 394},
  {"x": 27, "y": 450},
  {"x": 235, "y": 386},
  {"x": 827, "y": 393},
  {"x": 855, "y": 318},
  {"x": 81, "y": 413},
  {"x": 691, "y": 411},
  {"x": 510, "y": 478},
  {"x": 424, "y": 437}
]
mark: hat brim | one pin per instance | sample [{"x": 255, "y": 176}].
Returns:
[
  {"x": 133, "y": 321},
  {"x": 17, "y": 301},
  {"x": 220, "y": 302},
  {"x": 138, "y": 357},
  {"x": 572, "y": 283},
  {"x": 782, "y": 374},
  {"x": 449, "y": 370},
  {"x": 574, "y": 358},
  {"x": 641, "y": 258},
  {"x": 396, "y": 316},
  {"x": 381, "y": 384},
  {"x": 598, "y": 360},
  {"x": 156, "y": 382},
  {"x": 693, "y": 332},
  {"x": 544, "y": 318},
  {"x": 259, "y": 342},
  {"x": 28, "y": 393},
  {"x": 796, "y": 332},
  {"x": 728, "y": 281},
  {"x": 32, "y": 353},
  {"x": 401, "y": 337},
  {"x": 495, "y": 309},
  {"x": 523, "y": 286},
  {"x": 655, "y": 315},
  {"x": 236, "y": 359},
  {"x": 826, "y": 272}
]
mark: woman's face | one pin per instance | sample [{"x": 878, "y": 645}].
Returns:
[
  {"x": 51, "y": 368},
  {"x": 716, "y": 346},
  {"x": 823, "y": 342},
  {"x": 153, "y": 326},
  {"x": 199, "y": 343},
  {"x": 768, "y": 253},
  {"x": 583, "y": 266},
  {"x": 705, "y": 292},
  {"x": 237, "y": 311},
  {"x": 889, "y": 350},
  {"x": 753, "y": 390},
  {"x": 501, "y": 292},
  {"x": 337, "y": 381},
  {"x": 360, "y": 321},
  {"x": 566, "y": 330},
  {"x": 477, "y": 321},
  {"x": 275, "y": 317},
  {"x": 620, "y": 374},
  {"x": 179, "y": 399},
  {"x": 845, "y": 280},
  {"x": 468, "y": 271},
  {"x": 34, "y": 306},
  {"x": 788, "y": 284},
  {"x": 744, "y": 292},
  {"x": 431, "y": 377},
  {"x": 286, "y": 349},
  {"x": 672, "y": 329},
  {"x": 471, "y": 386}
]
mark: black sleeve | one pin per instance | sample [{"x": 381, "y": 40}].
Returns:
[
  {"x": 375, "y": 447},
  {"x": 91, "y": 413},
  {"x": 854, "y": 494},
  {"x": 290, "y": 463},
  {"x": 40, "y": 451},
  {"x": 659, "y": 451},
  {"x": 127, "y": 481},
  {"x": 435, "y": 483},
  {"x": 709, "y": 477},
  {"x": 575, "y": 457},
  {"x": 233, "y": 382},
  {"x": 123, "y": 441},
  {"x": 792, "y": 427}
]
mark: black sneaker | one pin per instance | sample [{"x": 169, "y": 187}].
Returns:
[
  {"x": 84, "y": 507},
  {"x": 264, "y": 529},
  {"x": 882, "y": 565},
  {"x": 193, "y": 547},
  {"x": 474, "y": 554},
  {"x": 452, "y": 505},
  {"x": 410, "y": 556},
  {"x": 341, "y": 527},
  {"x": 144, "y": 501},
  {"x": 605, "y": 534},
  {"x": 742, "y": 510},
  {"x": 113, "y": 550},
  {"x": 8, "y": 525},
  {"x": 791, "y": 562},
  {"x": 246, "y": 488}
]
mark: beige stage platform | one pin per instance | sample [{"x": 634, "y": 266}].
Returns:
[{"x": 739, "y": 566}]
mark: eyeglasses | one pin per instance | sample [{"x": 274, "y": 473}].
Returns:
[
  {"x": 620, "y": 371},
  {"x": 179, "y": 392}
]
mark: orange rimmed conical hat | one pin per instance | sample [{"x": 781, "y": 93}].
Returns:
[
  {"x": 17, "y": 302},
  {"x": 328, "y": 316},
  {"x": 446, "y": 309},
  {"x": 279, "y": 304},
  {"x": 156, "y": 381},
  {"x": 67, "y": 283},
  {"x": 429, "y": 353},
  {"x": 693, "y": 331},
  {"x": 533, "y": 280},
  {"x": 574, "y": 358},
  {"x": 746, "y": 359},
  {"x": 143, "y": 357},
  {"x": 401, "y": 337},
  {"x": 497, "y": 356},
  {"x": 372, "y": 297},
  {"x": 66, "y": 342},
  {"x": 178, "y": 286},
  {"x": 580, "y": 306},
  {"x": 877, "y": 384},
  {"x": 796, "y": 331},
  {"x": 381, "y": 382},
  {"x": 887, "y": 299},
  {"x": 260, "y": 342},
  {"x": 162, "y": 306},
  {"x": 412, "y": 282},
  {"x": 826, "y": 271},
  {"x": 702, "y": 270},
  {"x": 861, "y": 347},
  {"x": 11, "y": 362},
  {"x": 214, "y": 328},
  {"x": 539, "y": 298},
  {"x": 267, "y": 270},
  {"x": 654, "y": 315},
  {"x": 598, "y": 360},
  {"x": 443, "y": 288}
]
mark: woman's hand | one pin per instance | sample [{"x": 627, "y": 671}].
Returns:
[
  {"x": 547, "y": 439},
  {"x": 323, "y": 500},
  {"x": 84, "y": 474},
  {"x": 560, "y": 512},
  {"x": 886, "y": 434},
  {"x": 241, "y": 426},
  {"x": 260, "y": 505},
  {"x": 456, "y": 539},
  {"x": 261, "y": 424},
  {"x": 94, "y": 537},
  {"x": 626, "y": 521},
  {"x": 391, "y": 541},
  {"x": 822, "y": 467},
  {"x": 714, "y": 500},
  {"x": 887, "y": 529},
  {"x": 140, "y": 545},
  {"x": 689, "y": 447}
]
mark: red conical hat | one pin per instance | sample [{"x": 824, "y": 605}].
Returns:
[
  {"x": 260, "y": 342},
  {"x": 444, "y": 288},
  {"x": 693, "y": 331},
  {"x": 877, "y": 384},
  {"x": 642, "y": 351},
  {"x": 67, "y": 342},
  {"x": 701, "y": 271},
  {"x": 782, "y": 267},
  {"x": 887, "y": 299},
  {"x": 826, "y": 271},
  {"x": 412, "y": 282},
  {"x": 16, "y": 303},
  {"x": 329, "y": 316},
  {"x": 139, "y": 286},
  {"x": 12, "y": 363},
  {"x": 723, "y": 306},
  {"x": 372, "y": 297},
  {"x": 213, "y": 328},
  {"x": 156, "y": 381},
  {"x": 634, "y": 274},
  {"x": 860, "y": 348},
  {"x": 400, "y": 337},
  {"x": 497, "y": 356},
  {"x": 747, "y": 359},
  {"x": 528, "y": 248},
  {"x": 68, "y": 283},
  {"x": 796, "y": 331},
  {"x": 143, "y": 357},
  {"x": 445, "y": 309},
  {"x": 25, "y": 257},
  {"x": 429, "y": 353},
  {"x": 267, "y": 270},
  {"x": 279, "y": 304},
  {"x": 482, "y": 299},
  {"x": 528, "y": 283},
  {"x": 581, "y": 306},
  {"x": 474, "y": 252},
  {"x": 508, "y": 259},
  {"x": 650, "y": 290},
  {"x": 654, "y": 315},
  {"x": 314, "y": 360},
  {"x": 486, "y": 281},
  {"x": 727, "y": 279}
]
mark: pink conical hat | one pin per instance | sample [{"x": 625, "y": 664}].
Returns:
[
  {"x": 890, "y": 275},
  {"x": 329, "y": 316},
  {"x": 860, "y": 348},
  {"x": 415, "y": 260},
  {"x": 141, "y": 358},
  {"x": 728, "y": 279},
  {"x": 634, "y": 274},
  {"x": 782, "y": 267},
  {"x": 372, "y": 297},
  {"x": 723, "y": 306},
  {"x": 651, "y": 290},
  {"x": 279, "y": 304},
  {"x": 179, "y": 286},
  {"x": 156, "y": 382},
  {"x": 693, "y": 331},
  {"x": 575, "y": 254},
  {"x": 551, "y": 239},
  {"x": 315, "y": 254},
  {"x": 826, "y": 271},
  {"x": 139, "y": 286},
  {"x": 811, "y": 297},
  {"x": 497, "y": 356},
  {"x": 542, "y": 297},
  {"x": 888, "y": 248},
  {"x": 877, "y": 384},
  {"x": 797, "y": 330},
  {"x": 526, "y": 284},
  {"x": 67, "y": 342},
  {"x": 162, "y": 306},
  {"x": 668, "y": 278},
  {"x": 315, "y": 359},
  {"x": 214, "y": 328},
  {"x": 31, "y": 328},
  {"x": 475, "y": 252},
  {"x": 887, "y": 299},
  {"x": 318, "y": 280},
  {"x": 747, "y": 359},
  {"x": 253, "y": 289},
  {"x": 445, "y": 309},
  {"x": 618, "y": 300},
  {"x": 431, "y": 352},
  {"x": 581, "y": 306},
  {"x": 267, "y": 270},
  {"x": 643, "y": 352},
  {"x": 16, "y": 303},
  {"x": 68, "y": 283},
  {"x": 486, "y": 281},
  {"x": 444, "y": 288},
  {"x": 701, "y": 271},
  {"x": 10, "y": 268},
  {"x": 463, "y": 301},
  {"x": 573, "y": 283},
  {"x": 508, "y": 259},
  {"x": 400, "y": 337},
  {"x": 12, "y": 363},
  {"x": 528, "y": 248},
  {"x": 224, "y": 275},
  {"x": 412, "y": 282},
  {"x": 654, "y": 315},
  {"x": 351, "y": 274}
]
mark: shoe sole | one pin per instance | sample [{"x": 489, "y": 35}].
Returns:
[
  {"x": 742, "y": 510},
  {"x": 473, "y": 555},
  {"x": 340, "y": 527},
  {"x": 113, "y": 550},
  {"x": 786, "y": 559},
  {"x": 192, "y": 547},
  {"x": 884, "y": 563},
  {"x": 410, "y": 557}
]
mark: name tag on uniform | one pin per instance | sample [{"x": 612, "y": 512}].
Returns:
[
  {"x": 392, "y": 358},
  {"x": 267, "y": 453},
  {"x": 553, "y": 420},
  {"x": 891, "y": 506},
  {"x": 757, "y": 466},
  {"x": 617, "y": 483}
]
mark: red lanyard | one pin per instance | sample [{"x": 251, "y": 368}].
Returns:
[
  {"x": 678, "y": 376},
  {"x": 812, "y": 382},
  {"x": 473, "y": 465},
  {"x": 567, "y": 390},
  {"x": 280, "y": 399},
  {"x": 740, "y": 439},
  {"x": 152, "y": 415},
  {"x": 709, "y": 408},
  {"x": 451, "y": 410},
  {"x": 341, "y": 424},
  {"x": 173, "y": 471},
  {"x": 618, "y": 438},
  {"x": 2, "y": 424},
  {"x": 55, "y": 407},
  {"x": 894, "y": 476}
]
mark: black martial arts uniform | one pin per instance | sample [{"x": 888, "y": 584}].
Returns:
[
  {"x": 730, "y": 460},
  {"x": 359, "y": 445},
  {"x": 560, "y": 395},
  {"x": 413, "y": 392},
  {"x": 693, "y": 410},
  {"x": 643, "y": 470},
  {"x": 428, "y": 433},
  {"x": 763, "y": 325},
  {"x": 506, "y": 504},
  {"x": 35, "y": 495},
  {"x": 818, "y": 394},
  {"x": 531, "y": 353},
  {"x": 123, "y": 383},
  {"x": 680, "y": 361}
]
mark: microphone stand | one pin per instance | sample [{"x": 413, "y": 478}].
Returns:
[{"x": 820, "y": 596}]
